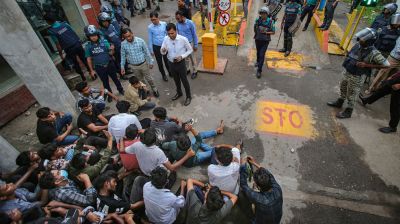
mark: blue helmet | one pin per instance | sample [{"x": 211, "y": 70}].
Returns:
[
  {"x": 91, "y": 30},
  {"x": 107, "y": 9}
]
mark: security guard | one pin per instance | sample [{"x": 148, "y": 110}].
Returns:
[
  {"x": 66, "y": 39},
  {"x": 358, "y": 64},
  {"x": 114, "y": 21},
  {"x": 383, "y": 19},
  {"x": 292, "y": 11},
  {"x": 388, "y": 36},
  {"x": 110, "y": 33},
  {"x": 98, "y": 54},
  {"x": 263, "y": 28}
]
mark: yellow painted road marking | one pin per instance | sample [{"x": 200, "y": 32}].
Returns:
[
  {"x": 277, "y": 60},
  {"x": 286, "y": 119}
]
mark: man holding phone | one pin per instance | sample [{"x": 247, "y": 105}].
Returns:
[{"x": 177, "y": 48}]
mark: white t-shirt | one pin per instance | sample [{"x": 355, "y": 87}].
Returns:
[
  {"x": 148, "y": 157},
  {"x": 118, "y": 123},
  {"x": 226, "y": 177}
]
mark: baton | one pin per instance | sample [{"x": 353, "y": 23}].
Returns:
[{"x": 279, "y": 38}]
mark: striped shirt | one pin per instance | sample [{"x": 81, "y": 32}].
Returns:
[{"x": 135, "y": 52}]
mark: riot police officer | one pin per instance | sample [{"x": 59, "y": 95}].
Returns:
[
  {"x": 358, "y": 64},
  {"x": 263, "y": 28},
  {"x": 292, "y": 11},
  {"x": 98, "y": 54},
  {"x": 114, "y": 21},
  {"x": 383, "y": 19}
]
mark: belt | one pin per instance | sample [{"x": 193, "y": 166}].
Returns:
[
  {"x": 138, "y": 64},
  {"x": 183, "y": 60}
]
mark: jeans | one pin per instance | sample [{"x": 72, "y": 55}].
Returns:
[
  {"x": 178, "y": 71},
  {"x": 72, "y": 53},
  {"x": 307, "y": 11},
  {"x": 147, "y": 106},
  {"x": 60, "y": 123},
  {"x": 261, "y": 46},
  {"x": 105, "y": 72},
  {"x": 160, "y": 58},
  {"x": 204, "y": 156}
]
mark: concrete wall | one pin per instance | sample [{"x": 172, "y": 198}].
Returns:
[{"x": 8, "y": 155}]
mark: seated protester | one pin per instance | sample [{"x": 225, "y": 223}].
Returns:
[
  {"x": 51, "y": 151},
  {"x": 119, "y": 122},
  {"x": 64, "y": 190},
  {"x": 13, "y": 197},
  {"x": 224, "y": 172},
  {"x": 166, "y": 128},
  {"x": 268, "y": 199},
  {"x": 80, "y": 162},
  {"x": 107, "y": 201},
  {"x": 149, "y": 157},
  {"x": 211, "y": 210},
  {"x": 98, "y": 101},
  {"x": 162, "y": 206},
  {"x": 129, "y": 161},
  {"x": 90, "y": 119},
  {"x": 133, "y": 96},
  {"x": 177, "y": 149},
  {"x": 50, "y": 127}
]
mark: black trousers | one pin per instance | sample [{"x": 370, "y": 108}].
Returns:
[
  {"x": 287, "y": 36},
  {"x": 109, "y": 71},
  {"x": 72, "y": 53},
  {"x": 178, "y": 71},
  {"x": 261, "y": 46},
  {"x": 307, "y": 11},
  {"x": 160, "y": 58},
  {"x": 329, "y": 12},
  {"x": 394, "y": 103}
]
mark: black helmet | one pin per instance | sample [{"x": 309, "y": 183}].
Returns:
[{"x": 91, "y": 30}]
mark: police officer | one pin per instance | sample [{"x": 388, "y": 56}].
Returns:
[
  {"x": 358, "y": 64},
  {"x": 292, "y": 11},
  {"x": 330, "y": 7},
  {"x": 114, "y": 21},
  {"x": 383, "y": 19},
  {"x": 66, "y": 39},
  {"x": 98, "y": 54},
  {"x": 263, "y": 28},
  {"x": 110, "y": 33}
]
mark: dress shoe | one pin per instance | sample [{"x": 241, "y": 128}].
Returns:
[
  {"x": 194, "y": 75},
  {"x": 387, "y": 130},
  {"x": 165, "y": 78},
  {"x": 283, "y": 50},
  {"x": 345, "y": 114},
  {"x": 187, "y": 101},
  {"x": 304, "y": 29},
  {"x": 177, "y": 96},
  {"x": 258, "y": 75},
  {"x": 123, "y": 77},
  {"x": 287, "y": 53},
  {"x": 363, "y": 99},
  {"x": 156, "y": 93},
  {"x": 338, "y": 103}
]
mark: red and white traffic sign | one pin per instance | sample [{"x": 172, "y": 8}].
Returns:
[
  {"x": 224, "y": 5},
  {"x": 224, "y": 18}
]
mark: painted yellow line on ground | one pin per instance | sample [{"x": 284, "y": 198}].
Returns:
[
  {"x": 277, "y": 60},
  {"x": 283, "y": 118}
]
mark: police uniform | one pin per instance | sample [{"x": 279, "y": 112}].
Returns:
[
  {"x": 102, "y": 63},
  {"x": 262, "y": 40},
  {"x": 111, "y": 35},
  {"x": 354, "y": 76},
  {"x": 380, "y": 21},
  {"x": 292, "y": 10},
  {"x": 328, "y": 15},
  {"x": 114, "y": 22},
  {"x": 387, "y": 40},
  {"x": 62, "y": 33}
]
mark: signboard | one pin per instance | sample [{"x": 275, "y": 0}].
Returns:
[
  {"x": 224, "y": 18},
  {"x": 283, "y": 118},
  {"x": 224, "y": 5}
]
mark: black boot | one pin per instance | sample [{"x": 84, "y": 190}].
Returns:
[
  {"x": 338, "y": 103},
  {"x": 345, "y": 114},
  {"x": 363, "y": 99},
  {"x": 283, "y": 50},
  {"x": 289, "y": 44}
]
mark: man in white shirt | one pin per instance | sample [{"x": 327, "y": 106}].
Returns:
[
  {"x": 119, "y": 122},
  {"x": 149, "y": 157},
  {"x": 162, "y": 206},
  {"x": 225, "y": 174},
  {"x": 178, "y": 48}
]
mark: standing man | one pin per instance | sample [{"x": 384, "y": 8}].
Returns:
[
  {"x": 330, "y": 7},
  {"x": 137, "y": 54},
  {"x": 157, "y": 31},
  {"x": 66, "y": 39},
  {"x": 292, "y": 10},
  {"x": 184, "y": 9},
  {"x": 98, "y": 54},
  {"x": 358, "y": 64},
  {"x": 178, "y": 48},
  {"x": 308, "y": 10},
  {"x": 204, "y": 12},
  {"x": 186, "y": 28},
  {"x": 263, "y": 28}
]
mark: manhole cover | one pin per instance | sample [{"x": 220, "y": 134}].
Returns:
[{"x": 164, "y": 16}]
